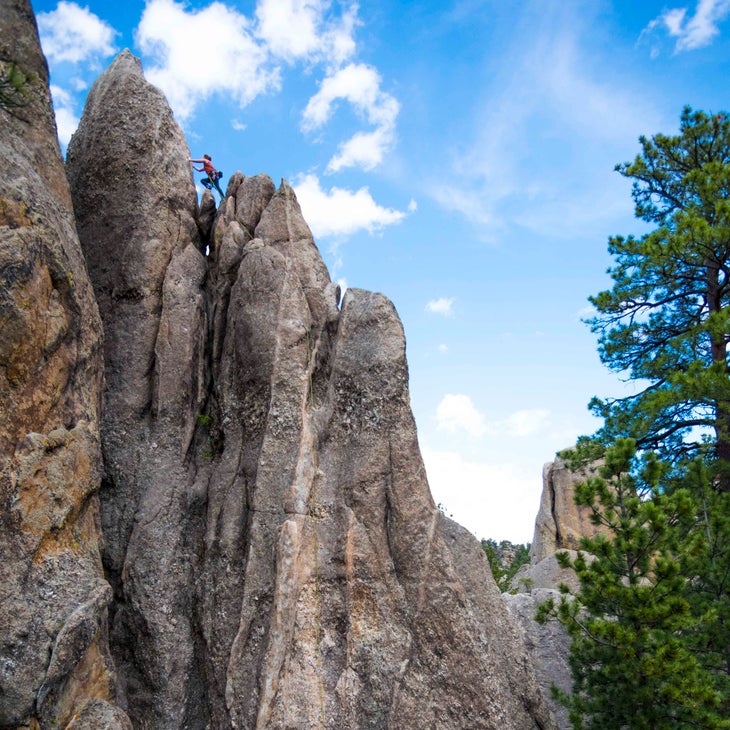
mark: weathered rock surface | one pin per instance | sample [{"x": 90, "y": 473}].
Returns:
[
  {"x": 560, "y": 523},
  {"x": 548, "y": 646},
  {"x": 559, "y": 526},
  {"x": 55, "y": 663},
  {"x": 276, "y": 557}
]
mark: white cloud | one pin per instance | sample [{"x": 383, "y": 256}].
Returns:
[
  {"x": 363, "y": 149},
  {"x": 72, "y": 33},
  {"x": 491, "y": 500},
  {"x": 339, "y": 211},
  {"x": 443, "y": 348},
  {"x": 66, "y": 119},
  {"x": 235, "y": 63},
  {"x": 554, "y": 117},
  {"x": 442, "y": 305},
  {"x": 66, "y": 124},
  {"x": 456, "y": 413},
  {"x": 359, "y": 85},
  {"x": 525, "y": 422},
  {"x": 242, "y": 56},
  {"x": 299, "y": 29},
  {"x": 695, "y": 31}
]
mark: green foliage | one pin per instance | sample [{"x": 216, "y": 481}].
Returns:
[
  {"x": 214, "y": 446},
  {"x": 632, "y": 662},
  {"x": 14, "y": 87},
  {"x": 505, "y": 559},
  {"x": 666, "y": 322},
  {"x": 650, "y": 623}
]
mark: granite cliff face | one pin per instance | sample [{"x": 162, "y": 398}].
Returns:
[
  {"x": 55, "y": 665},
  {"x": 274, "y": 554}
]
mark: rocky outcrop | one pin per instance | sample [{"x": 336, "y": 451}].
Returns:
[
  {"x": 276, "y": 557},
  {"x": 560, "y": 523},
  {"x": 55, "y": 665},
  {"x": 559, "y": 526}
]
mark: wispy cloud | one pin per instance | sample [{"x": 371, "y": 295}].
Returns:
[
  {"x": 74, "y": 34},
  {"x": 340, "y": 212},
  {"x": 554, "y": 116},
  {"x": 456, "y": 413},
  {"x": 692, "y": 31},
  {"x": 443, "y": 305}
]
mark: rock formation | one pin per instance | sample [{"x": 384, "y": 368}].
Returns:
[
  {"x": 560, "y": 523},
  {"x": 559, "y": 526},
  {"x": 275, "y": 557},
  {"x": 55, "y": 665}
]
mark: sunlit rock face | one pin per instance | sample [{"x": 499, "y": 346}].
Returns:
[
  {"x": 55, "y": 664},
  {"x": 274, "y": 554},
  {"x": 560, "y": 522}
]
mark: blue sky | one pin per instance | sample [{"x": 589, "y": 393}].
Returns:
[{"x": 456, "y": 156}]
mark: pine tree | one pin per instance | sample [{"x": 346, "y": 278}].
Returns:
[
  {"x": 634, "y": 658},
  {"x": 666, "y": 322},
  {"x": 650, "y": 623}
]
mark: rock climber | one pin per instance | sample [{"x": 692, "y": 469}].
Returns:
[{"x": 212, "y": 175}]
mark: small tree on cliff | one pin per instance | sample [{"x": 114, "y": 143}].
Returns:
[
  {"x": 14, "y": 87},
  {"x": 650, "y": 625}
]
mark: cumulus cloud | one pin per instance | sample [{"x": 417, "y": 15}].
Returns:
[
  {"x": 299, "y": 29},
  {"x": 524, "y": 422},
  {"x": 244, "y": 60},
  {"x": 359, "y": 85},
  {"x": 72, "y": 33},
  {"x": 339, "y": 211},
  {"x": 244, "y": 57},
  {"x": 692, "y": 31},
  {"x": 175, "y": 38},
  {"x": 456, "y": 413},
  {"x": 442, "y": 305}
]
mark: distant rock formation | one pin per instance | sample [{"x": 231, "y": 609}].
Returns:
[
  {"x": 55, "y": 664},
  {"x": 251, "y": 476},
  {"x": 560, "y": 523},
  {"x": 559, "y": 526}
]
